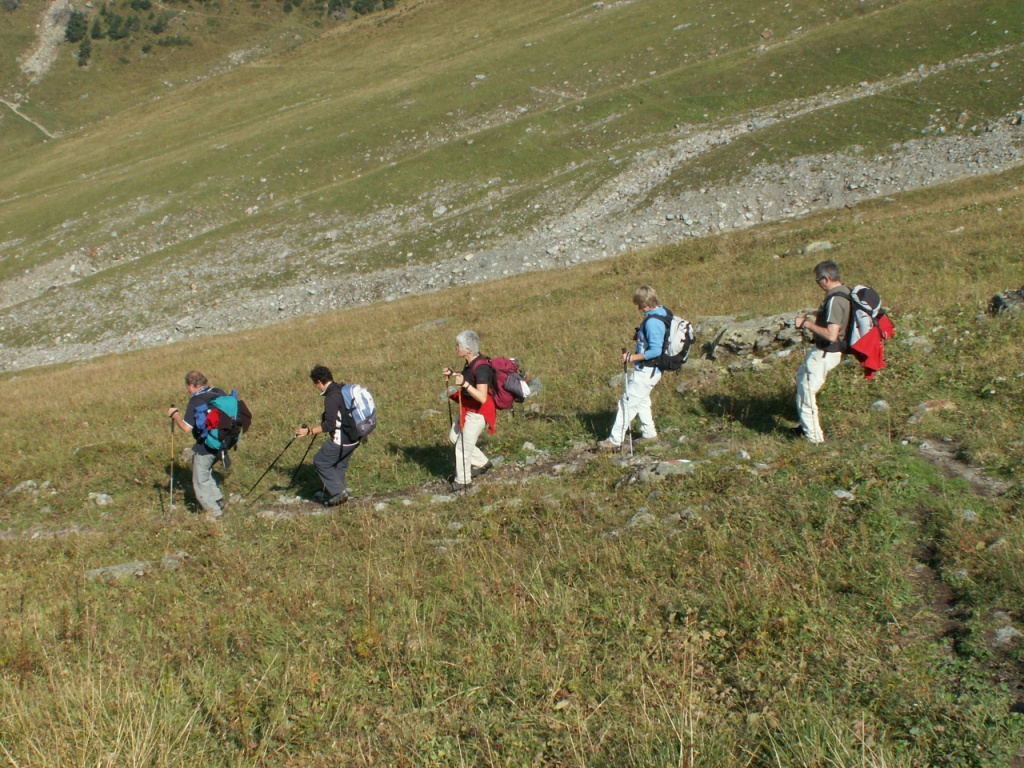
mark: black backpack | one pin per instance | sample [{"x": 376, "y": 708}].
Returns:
[{"x": 679, "y": 338}]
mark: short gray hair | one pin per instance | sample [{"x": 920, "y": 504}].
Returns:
[
  {"x": 827, "y": 269},
  {"x": 470, "y": 340}
]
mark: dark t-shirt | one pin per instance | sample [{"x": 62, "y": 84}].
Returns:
[
  {"x": 483, "y": 373},
  {"x": 479, "y": 371},
  {"x": 834, "y": 310}
]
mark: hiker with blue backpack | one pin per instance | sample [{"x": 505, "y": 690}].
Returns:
[
  {"x": 477, "y": 410},
  {"x": 348, "y": 418},
  {"x": 663, "y": 343},
  {"x": 216, "y": 420}
]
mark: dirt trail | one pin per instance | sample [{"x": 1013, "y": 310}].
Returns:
[{"x": 14, "y": 108}]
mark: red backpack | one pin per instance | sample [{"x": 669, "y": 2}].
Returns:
[{"x": 509, "y": 386}]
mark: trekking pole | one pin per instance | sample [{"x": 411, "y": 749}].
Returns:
[
  {"x": 627, "y": 417},
  {"x": 294, "y": 438},
  {"x": 462, "y": 436},
  {"x": 295, "y": 474},
  {"x": 447, "y": 385},
  {"x": 171, "y": 420}
]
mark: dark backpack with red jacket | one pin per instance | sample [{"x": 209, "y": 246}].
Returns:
[{"x": 509, "y": 386}]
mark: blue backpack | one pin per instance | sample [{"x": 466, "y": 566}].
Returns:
[{"x": 221, "y": 421}]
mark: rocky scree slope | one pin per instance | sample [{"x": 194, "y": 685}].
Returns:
[{"x": 151, "y": 307}]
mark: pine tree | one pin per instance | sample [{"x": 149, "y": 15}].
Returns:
[
  {"x": 78, "y": 26},
  {"x": 84, "y": 51}
]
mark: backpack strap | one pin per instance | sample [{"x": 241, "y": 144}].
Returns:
[
  {"x": 480, "y": 360},
  {"x": 667, "y": 319}
]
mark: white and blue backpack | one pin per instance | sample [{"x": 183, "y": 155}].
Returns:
[{"x": 359, "y": 416}]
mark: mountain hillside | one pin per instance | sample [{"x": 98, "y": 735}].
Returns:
[
  {"x": 255, "y": 188},
  {"x": 288, "y": 163},
  {"x": 724, "y": 596}
]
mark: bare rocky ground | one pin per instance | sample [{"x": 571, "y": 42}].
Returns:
[
  {"x": 49, "y": 35},
  {"x": 158, "y": 306}
]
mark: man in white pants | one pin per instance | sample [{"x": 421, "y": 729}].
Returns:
[
  {"x": 829, "y": 335},
  {"x": 636, "y": 399}
]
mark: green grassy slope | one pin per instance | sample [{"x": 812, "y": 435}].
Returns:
[{"x": 772, "y": 623}]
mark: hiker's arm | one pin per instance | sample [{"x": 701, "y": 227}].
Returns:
[
  {"x": 334, "y": 404},
  {"x": 654, "y": 333},
  {"x": 178, "y": 419},
  {"x": 478, "y": 392},
  {"x": 829, "y": 333}
]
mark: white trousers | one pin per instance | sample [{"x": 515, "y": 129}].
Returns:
[
  {"x": 809, "y": 379},
  {"x": 467, "y": 455},
  {"x": 636, "y": 401}
]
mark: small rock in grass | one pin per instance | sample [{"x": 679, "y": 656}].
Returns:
[{"x": 1006, "y": 635}]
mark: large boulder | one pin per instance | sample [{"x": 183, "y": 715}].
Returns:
[
  {"x": 1007, "y": 301},
  {"x": 725, "y": 337}
]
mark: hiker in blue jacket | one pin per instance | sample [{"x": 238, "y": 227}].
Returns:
[
  {"x": 331, "y": 461},
  {"x": 208, "y": 493},
  {"x": 636, "y": 396}
]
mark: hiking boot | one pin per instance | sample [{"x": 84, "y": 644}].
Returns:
[
  {"x": 795, "y": 432},
  {"x": 320, "y": 497},
  {"x": 212, "y": 515},
  {"x": 647, "y": 440},
  {"x": 337, "y": 501},
  {"x": 477, "y": 471},
  {"x": 456, "y": 486},
  {"x": 609, "y": 446}
]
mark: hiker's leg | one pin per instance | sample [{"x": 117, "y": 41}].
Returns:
[
  {"x": 810, "y": 378},
  {"x": 455, "y": 437},
  {"x": 326, "y": 463},
  {"x": 646, "y": 380},
  {"x": 208, "y": 495},
  {"x": 624, "y": 414},
  {"x": 471, "y": 432},
  {"x": 806, "y": 407},
  {"x": 342, "y": 465}
]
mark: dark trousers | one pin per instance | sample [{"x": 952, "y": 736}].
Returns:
[{"x": 331, "y": 463}]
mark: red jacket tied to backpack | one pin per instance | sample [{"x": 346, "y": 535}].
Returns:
[{"x": 870, "y": 326}]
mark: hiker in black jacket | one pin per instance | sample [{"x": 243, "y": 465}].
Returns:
[{"x": 331, "y": 461}]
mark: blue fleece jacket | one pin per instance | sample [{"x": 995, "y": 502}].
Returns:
[{"x": 651, "y": 336}]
